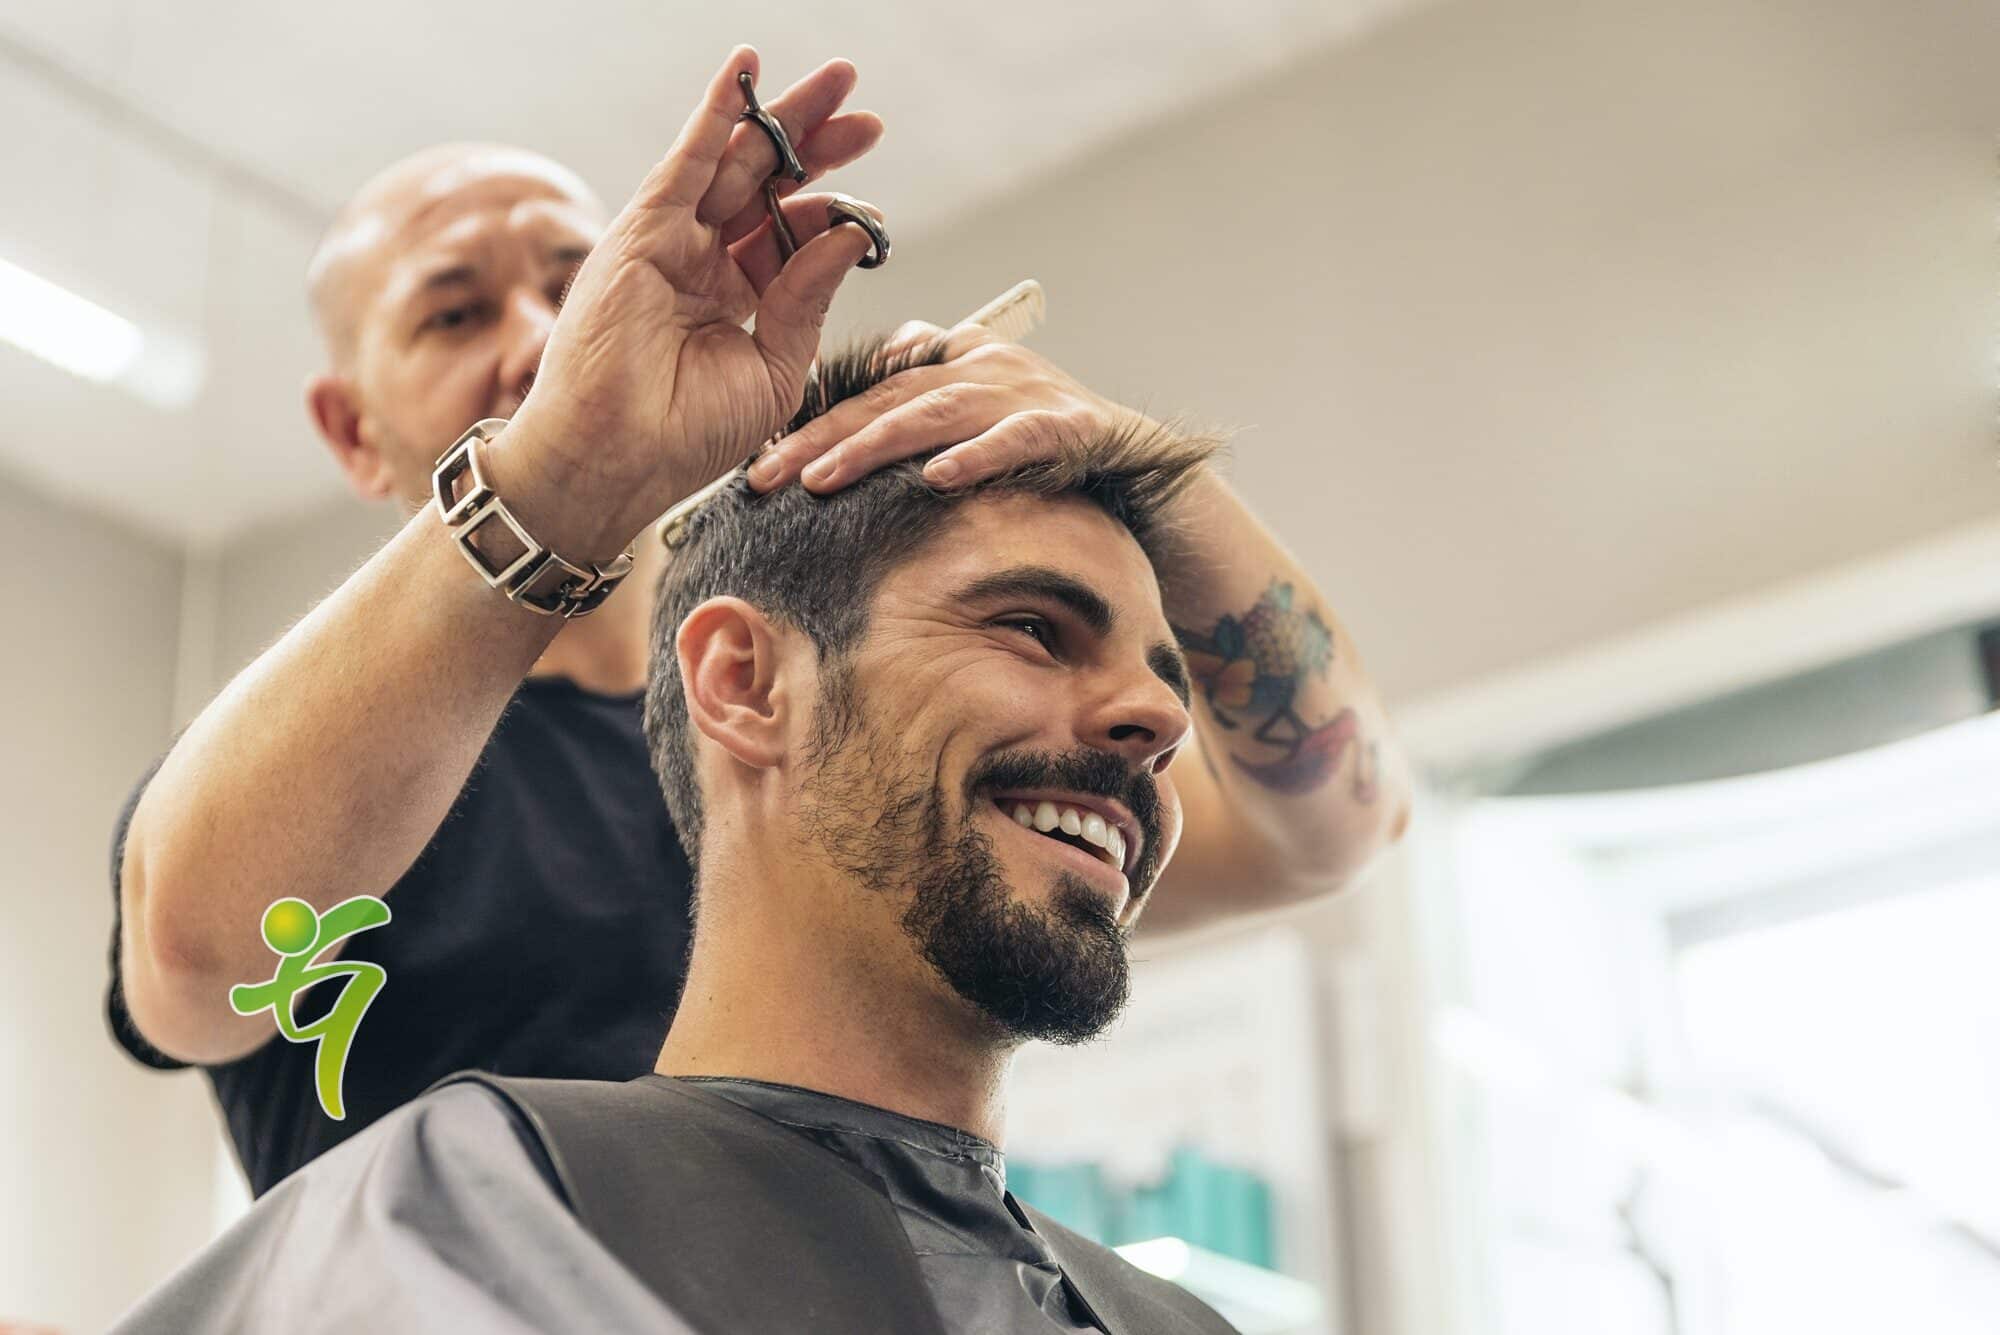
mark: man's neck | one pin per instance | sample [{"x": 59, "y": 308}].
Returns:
[
  {"x": 606, "y": 651},
  {"x": 769, "y": 997}
]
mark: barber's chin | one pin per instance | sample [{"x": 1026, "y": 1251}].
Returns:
[{"x": 1042, "y": 859}]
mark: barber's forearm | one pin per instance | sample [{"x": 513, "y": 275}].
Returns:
[
  {"x": 321, "y": 771},
  {"x": 1291, "y": 727}
]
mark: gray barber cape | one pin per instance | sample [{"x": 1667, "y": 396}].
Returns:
[
  {"x": 451, "y": 1214},
  {"x": 441, "y": 1216}
]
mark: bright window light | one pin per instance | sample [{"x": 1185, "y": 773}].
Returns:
[
  {"x": 1254, "y": 1300},
  {"x": 83, "y": 338},
  {"x": 1876, "y": 1027},
  {"x": 1795, "y": 971},
  {"x": 1165, "y": 1257},
  {"x": 1856, "y": 1047}
]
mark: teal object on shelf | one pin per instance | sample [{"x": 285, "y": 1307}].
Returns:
[
  {"x": 1076, "y": 1194},
  {"x": 1221, "y": 1208}
]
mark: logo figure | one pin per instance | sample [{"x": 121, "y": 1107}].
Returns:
[{"x": 297, "y": 934}]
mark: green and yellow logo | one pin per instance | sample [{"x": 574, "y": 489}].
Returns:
[{"x": 298, "y": 935}]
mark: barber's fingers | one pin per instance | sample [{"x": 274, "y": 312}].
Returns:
[
  {"x": 757, "y": 254},
  {"x": 751, "y": 156},
  {"x": 790, "y": 456},
  {"x": 684, "y": 175},
  {"x": 1026, "y": 437},
  {"x": 787, "y": 458},
  {"x": 945, "y": 415},
  {"x": 835, "y": 144},
  {"x": 958, "y": 340},
  {"x": 907, "y": 336},
  {"x": 794, "y": 304},
  {"x": 963, "y": 338}
]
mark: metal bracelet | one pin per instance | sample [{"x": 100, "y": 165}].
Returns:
[{"x": 537, "y": 579}]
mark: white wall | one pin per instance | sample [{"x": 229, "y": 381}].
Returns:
[{"x": 104, "y": 1167}]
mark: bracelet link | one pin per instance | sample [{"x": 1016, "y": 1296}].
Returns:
[{"x": 537, "y": 579}]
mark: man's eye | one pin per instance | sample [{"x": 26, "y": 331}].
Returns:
[
  {"x": 1036, "y": 627},
  {"x": 451, "y": 318}
]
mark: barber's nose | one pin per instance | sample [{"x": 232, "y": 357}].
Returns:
[{"x": 530, "y": 318}]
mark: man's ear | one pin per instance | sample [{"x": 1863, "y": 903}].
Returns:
[
  {"x": 335, "y": 410},
  {"x": 731, "y": 675}
]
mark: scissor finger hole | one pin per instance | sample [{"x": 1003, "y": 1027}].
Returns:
[{"x": 842, "y": 209}]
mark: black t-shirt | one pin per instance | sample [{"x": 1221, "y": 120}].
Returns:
[{"x": 543, "y": 931}]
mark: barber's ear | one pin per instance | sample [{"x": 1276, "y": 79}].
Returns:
[
  {"x": 734, "y": 680},
  {"x": 336, "y": 410}
]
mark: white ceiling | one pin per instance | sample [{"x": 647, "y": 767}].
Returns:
[{"x": 174, "y": 163}]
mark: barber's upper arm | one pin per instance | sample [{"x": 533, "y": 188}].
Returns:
[
  {"x": 163, "y": 1019},
  {"x": 126, "y": 964}
]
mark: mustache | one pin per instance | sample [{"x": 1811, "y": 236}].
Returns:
[{"x": 1083, "y": 770}]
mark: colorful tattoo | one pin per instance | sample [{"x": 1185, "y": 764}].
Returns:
[{"x": 1251, "y": 669}]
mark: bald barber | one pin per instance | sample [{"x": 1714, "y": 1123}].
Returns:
[{"x": 421, "y": 736}]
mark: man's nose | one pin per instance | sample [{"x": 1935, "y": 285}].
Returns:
[
  {"x": 1147, "y": 724},
  {"x": 530, "y": 317}
]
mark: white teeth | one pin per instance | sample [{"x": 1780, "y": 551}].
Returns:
[{"x": 1087, "y": 825}]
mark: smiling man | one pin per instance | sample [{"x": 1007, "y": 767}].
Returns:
[
  {"x": 922, "y": 748},
  {"x": 995, "y": 698}
]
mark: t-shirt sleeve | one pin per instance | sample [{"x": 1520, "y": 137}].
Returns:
[
  {"x": 115, "y": 1012},
  {"x": 442, "y": 1216}
]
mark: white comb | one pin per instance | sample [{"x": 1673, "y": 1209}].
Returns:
[{"x": 1015, "y": 313}]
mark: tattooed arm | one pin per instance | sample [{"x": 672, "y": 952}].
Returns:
[{"x": 1296, "y": 783}]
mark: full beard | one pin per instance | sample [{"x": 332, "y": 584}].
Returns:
[{"x": 1058, "y": 972}]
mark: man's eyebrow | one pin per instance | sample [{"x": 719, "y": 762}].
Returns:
[
  {"x": 450, "y": 275},
  {"x": 1041, "y": 582},
  {"x": 455, "y": 275}
]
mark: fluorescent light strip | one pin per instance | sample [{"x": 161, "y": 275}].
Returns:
[{"x": 58, "y": 326}]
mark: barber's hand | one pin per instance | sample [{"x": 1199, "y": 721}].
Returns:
[
  {"x": 997, "y": 405},
  {"x": 650, "y": 387}
]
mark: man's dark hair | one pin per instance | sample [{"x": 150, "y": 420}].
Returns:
[{"x": 815, "y": 562}]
